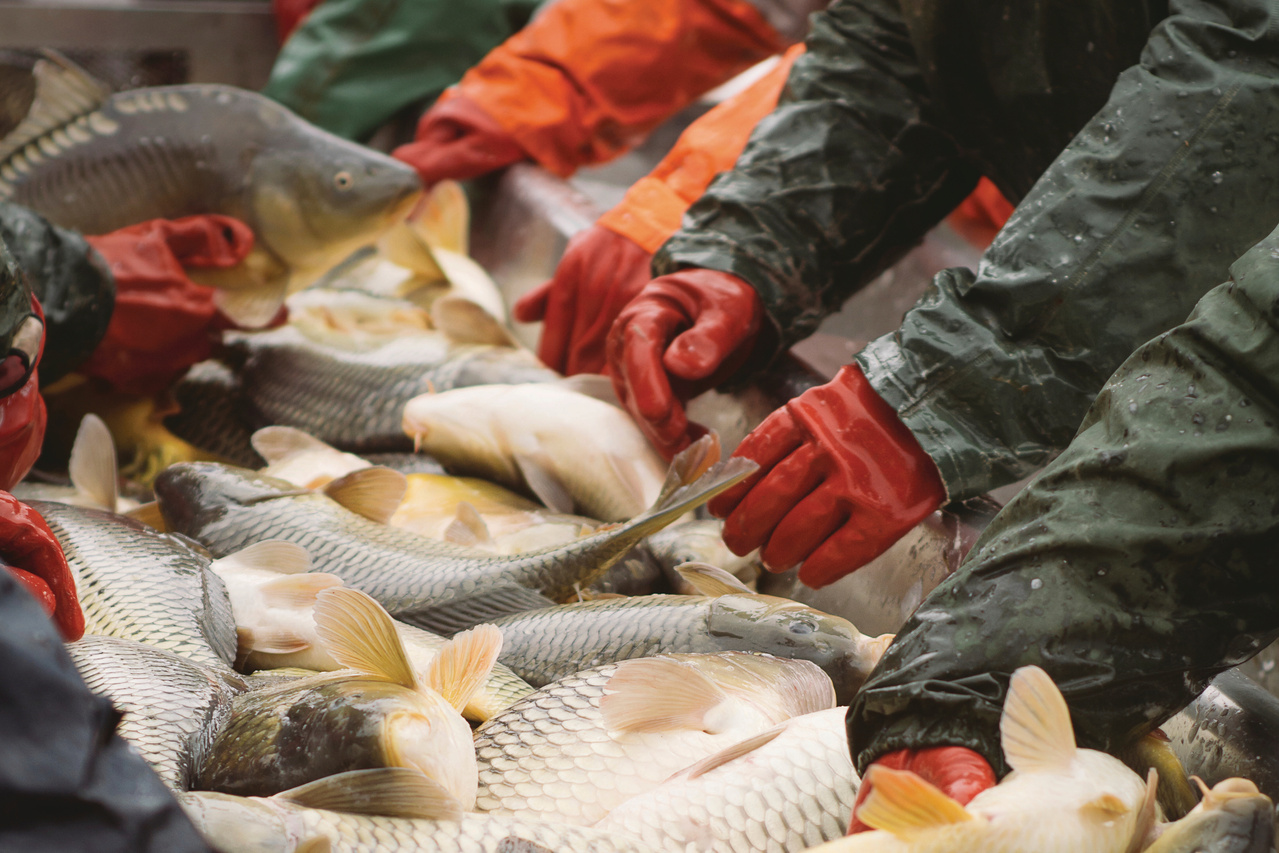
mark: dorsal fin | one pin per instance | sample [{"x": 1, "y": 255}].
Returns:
[
  {"x": 271, "y": 555},
  {"x": 468, "y": 528},
  {"x": 1035, "y": 729},
  {"x": 658, "y": 694},
  {"x": 374, "y": 493},
  {"x": 64, "y": 92},
  {"x": 712, "y": 580},
  {"x": 732, "y": 753},
  {"x": 386, "y": 791},
  {"x": 276, "y": 443},
  {"x": 93, "y": 465},
  {"x": 904, "y": 804},
  {"x": 464, "y": 663},
  {"x": 360, "y": 634}
]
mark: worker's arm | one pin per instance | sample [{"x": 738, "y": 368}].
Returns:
[{"x": 1134, "y": 568}]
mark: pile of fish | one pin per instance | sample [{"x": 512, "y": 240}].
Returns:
[{"x": 383, "y": 582}]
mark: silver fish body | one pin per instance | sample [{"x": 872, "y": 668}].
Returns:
[
  {"x": 354, "y": 400},
  {"x": 542, "y": 646},
  {"x": 173, "y": 708},
  {"x": 432, "y": 584},
  {"x": 210, "y": 414},
  {"x": 137, "y": 584}
]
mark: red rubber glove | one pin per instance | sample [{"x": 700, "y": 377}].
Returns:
[
  {"x": 456, "y": 140},
  {"x": 600, "y": 273},
  {"x": 957, "y": 771},
  {"x": 27, "y": 545},
  {"x": 22, "y": 412},
  {"x": 163, "y": 321},
  {"x": 684, "y": 333},
  {"x": 840, "y": 479}
]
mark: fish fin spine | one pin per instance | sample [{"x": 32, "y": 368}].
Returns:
[
  {"x": 903, "y": 804},
  {"x": 732, "y": 753},
  {"x": 1035, "y": 728},
  {"x": 464, "y": 663},
  {"x": 359, "y": 634}
]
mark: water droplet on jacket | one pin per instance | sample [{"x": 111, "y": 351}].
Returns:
[
  {"x": 1036, "y": 583},
  {"x": 1217, "y": 177}
]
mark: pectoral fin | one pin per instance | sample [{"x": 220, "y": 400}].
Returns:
[
  {"x": 1035, "y": 728},
  {"x": 904, "y": 804},
  {"x": 374, "y": 493},
  {"x": 359, "y": 634},
  {"x": 385, "y": 791},
  {"x": 657, "y": 695}
]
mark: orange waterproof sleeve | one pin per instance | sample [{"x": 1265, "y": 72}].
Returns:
[
  {"x": 980, "y": 216},
  {"x": 588, "y": 78},
  {"x": 653, "y": 207}
]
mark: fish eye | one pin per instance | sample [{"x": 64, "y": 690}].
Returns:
[
  {"x": 343, "y": 180},
  {"x": 802, "y": 626}
]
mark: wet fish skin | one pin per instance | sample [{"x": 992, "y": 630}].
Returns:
[
  {"x": 698, "y": 541},
  {"x": 137, "y": 584},
  {"x": 544, "y": 645},
  {"x": 1232, "y": 818},
  {"x": 411, "y": 576},
  {"x": 788, "y": 794},
  {"x": 254, "y": 825},
  {"x": 173, "y": 708},
  {"x": 211, "y": 416}
]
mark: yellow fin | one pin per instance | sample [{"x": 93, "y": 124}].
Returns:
[
  {"x": 658, "y": 694},
  {"x": 1035, "y": 728},
  {"x": 374, "y": 493},
  {"x": 732, "y": 753},
  {"x": 1108, "y": 803},
  {"x": 276, "y": 443},
  {"x": 386, "y": 791},
  {"x": 93, "y": 465},
  {"x": 902, "y": 803},
  {"x": 150, "y": 515},
  {"x": 359, "y": 634},
  {"x": 270, "y": 555},
  {"x": 712, "y": 580},
  {"x": 463, "y": 665},
  {"x": 404, "y": 247}
]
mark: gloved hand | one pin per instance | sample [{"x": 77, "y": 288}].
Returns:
[
  {"x": 840, "y": 479},
  {"x": 683, "y": 334},
  {"x": 22, "y": 412},
  {"x": 601, "y": 272},
  {"x": 163, "y": 321},
  {"x": 456, "y": 139},
  {"x": 959, "y": 772},
  {"x": 29, "y": 547}
]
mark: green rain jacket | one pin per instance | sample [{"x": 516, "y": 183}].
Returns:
[
  {"x": 351, "y": 65},
  {"x": 1134, "y": 568},
  {"x": 1168, "y": 114}
]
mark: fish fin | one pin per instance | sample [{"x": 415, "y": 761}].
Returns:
[
  {"x": 297, "y": 591},
  {"x": 1035, "y": 728},
  {"x": 464, "y": 663},
  {"x": 1143, "y": 833},
  {"x": 64, "y": 91},
  {"x": 902, "y": 803},
  {"x": 689, "y": 464},
  {"x": 150, "y": 515},
  {"x": 628, "y": 475},
  {"x": 592, "y": 385},
  {"x": 252, "y": 307},
  {"x": 468, "y": 528},
  {"x": 712, "y": 580},
  {"x": 385, "y": 791},
  {"x": 271, "y": 641},
  {"x": 314, "y": 844},
  {"x": 1226, "y": 790},
  {"x": 541, "y": 480},
  {"x": 465, "y": 322},
  {"x": 403, "y": 246},
  {"x": 359, "y": 634},
  {"x": 733, "y": 753},
  {"x": 458, "y": 614},
  {"x": 1107, "y": 804},
  {"x": 657, "y": 695},
  {"x": 277, "y": 443},
  {"x": 270, "y": 555},
  {"x": 374, "y": 493},
  {"x": 445, "y": 218},
  {"x": 93, "y": 466}
]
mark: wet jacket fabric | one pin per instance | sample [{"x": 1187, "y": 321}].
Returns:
[
  {"x": 886, "y": 124},
  {"x": 70, "y": 281},
  {"x": 1134, "y": 568},
  {"x": 68, "y": 782},
  {"x": 351, "y": 65}
]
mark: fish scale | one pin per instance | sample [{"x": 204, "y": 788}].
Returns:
[
  {"x": 136, "y": 584},
  {"x": 173, "y": 708}
]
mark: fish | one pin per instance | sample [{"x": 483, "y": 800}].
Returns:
[
  {"x": 275, "y": 626},
  {"x": 173, "y": 707},
  {"x": 433, "y": 585},
  {"x": 786, "y": 789},
  {"x": 583, "y": 745},
  {"x": 92, "y": 469},
  {"x": 544, "y": 645},
  {"x": 1232, "y": 817},
  {"x": 698, "y": 541},
  {"x": 305, "y": 461},
  {"x": 574, "y": 452},
  {"x": 374, "y": 713},
  {"x": 137, "y": 584},
  {"x": 355, "y": 399},
  {"x": 386, "y": 810},
  {"x": 1058, "y": 797},
  {"x": 350, "y": 319},
  {"x": 94, "y": 161},
  {"x": 209, "y": 414}
]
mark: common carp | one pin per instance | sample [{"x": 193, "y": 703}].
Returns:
[
  {"x": 95, "y": 161},
  {"x": 431, "y": 584}
]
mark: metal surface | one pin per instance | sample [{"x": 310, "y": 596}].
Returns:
[{"x": 222, "y": 42}]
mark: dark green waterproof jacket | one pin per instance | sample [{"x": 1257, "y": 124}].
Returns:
[
  {"x": 1139, "y": 564},
  {"x": 1140, "y": 137}
]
